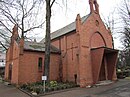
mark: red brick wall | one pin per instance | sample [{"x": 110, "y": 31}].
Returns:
[
  {"x": 25, "y": 66},
  {"x": 69, "y": 47},
  {"x": 97, "y": 40},
  {"x": 14, "y": 61},
  {"x": 29, "y": 63},
  {"x": 7, "y": 64},
  {"x": 75, "y": 54},
  {"x": 15, "y": 65},
  {"x": 93, "y": 34},
  {"x": 97, "y": 62},
  {"x": 90, "y": 34}
]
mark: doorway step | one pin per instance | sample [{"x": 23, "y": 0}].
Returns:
[{"x": 105, "y": 82}]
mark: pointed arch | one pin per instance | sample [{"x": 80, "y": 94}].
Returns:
[{"x": 97, "y": 40}]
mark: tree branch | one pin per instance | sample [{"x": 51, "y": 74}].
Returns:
[
  {"x": 26, "y": 14},
  {"x": 34, "y": 27},
  {"x": 53, "y": 2},
  {"x": 5, "y": 26},
  {"x": 3, "y": 45}
]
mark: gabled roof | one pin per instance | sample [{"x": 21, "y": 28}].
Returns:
[
  {"x": 67, "y": 29},
  {"x": 35, "y": 46},
  {"x": 40, "y": 46}
]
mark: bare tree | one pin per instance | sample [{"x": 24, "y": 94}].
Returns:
[
  {"x": 109, "y": 23},
  {"x": 24, "y": 13},
  {"x": 47, "y": 38},
  {"x": 126, "y": 38},
  {"x": 124, "y": 11},
  {"x": 49, "y": 4}
]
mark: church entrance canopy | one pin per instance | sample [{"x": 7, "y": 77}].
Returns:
[{"x": 103, "y": 63}]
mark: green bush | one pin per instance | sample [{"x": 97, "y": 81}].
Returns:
[
  {"x": 37, "y": 90},
  {"x": 51, "y": 86},
  {"x": 123, "y": 73},
  {"x": 53, "y": 83}
]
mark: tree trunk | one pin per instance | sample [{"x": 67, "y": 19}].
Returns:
[{"x": 47, "y": 41}]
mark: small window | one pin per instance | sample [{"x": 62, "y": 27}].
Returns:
[
  {"x": 40, "y": 63},
  {"x": 97, "y": 23}
]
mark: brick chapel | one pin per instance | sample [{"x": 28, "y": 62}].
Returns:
[{"x": 81, "y": 52}]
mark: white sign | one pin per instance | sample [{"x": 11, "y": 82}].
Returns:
[{"x": 44, "y": 77}]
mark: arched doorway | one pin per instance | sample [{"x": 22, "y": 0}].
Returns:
[{"x": 103, "y": 58}]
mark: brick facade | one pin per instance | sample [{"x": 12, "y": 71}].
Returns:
[
  {"x": 77, "y": 50},
  {"x": 22, "y": 64},
  {"x": 87, "y": 55}
]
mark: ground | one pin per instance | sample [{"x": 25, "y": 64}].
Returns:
[
  {"x": 120, "y": 88},
  {"x": 10, "y": 91}
]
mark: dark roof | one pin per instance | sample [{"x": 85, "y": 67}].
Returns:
[
  {"x": 36, "y": 46},
  {"x": 40, "y": 46},
  {"x": 67, "y": 29}
]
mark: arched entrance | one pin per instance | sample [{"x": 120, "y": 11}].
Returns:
[{"x": 103, "y": 59}]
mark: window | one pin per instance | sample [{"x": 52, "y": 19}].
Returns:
[
  {"x": 40, "y": 63},
  {"x": 97, "y": 23}
]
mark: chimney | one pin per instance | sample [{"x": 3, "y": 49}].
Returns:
[
  {"x": 15, "y": 35},
  {"x": 78, "y": 23}
]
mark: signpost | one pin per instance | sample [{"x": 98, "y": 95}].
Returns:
[{"x": 44, "y": 78}]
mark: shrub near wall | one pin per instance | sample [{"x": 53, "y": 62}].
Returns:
[
  {"x": 123, "y": 74},
  {"x": 51, "y": 86}
]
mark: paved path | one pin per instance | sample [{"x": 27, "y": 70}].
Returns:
[
  {"x": 121, "y": 91},
  {"x": 10, "y": 91},
  {"x": 118, "y": 89}
]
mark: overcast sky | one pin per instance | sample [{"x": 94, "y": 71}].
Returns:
[{"x": 62, "y": 16}]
